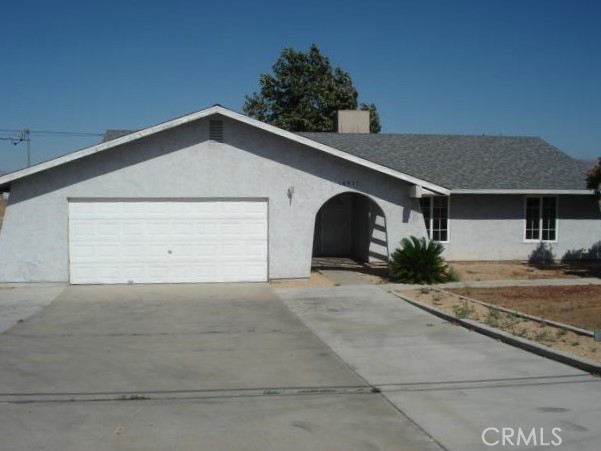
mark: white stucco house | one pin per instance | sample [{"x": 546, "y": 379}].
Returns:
[{"x": 217, "y": 196}]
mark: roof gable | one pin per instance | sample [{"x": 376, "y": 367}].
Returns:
[{"x": 218, "y": 110}]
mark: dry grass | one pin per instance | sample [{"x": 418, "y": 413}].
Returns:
[
  {"x": 503, "y": 270},
  {"x": 579, "y": 305},
  {"x": 554, "y": 337}
]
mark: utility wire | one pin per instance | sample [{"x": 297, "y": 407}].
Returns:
[
  {"x": 18, "y": 136},
  {"x": 53, "y": 132}
]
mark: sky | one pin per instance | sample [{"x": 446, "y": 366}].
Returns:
[{"x": 510, "y": 67}]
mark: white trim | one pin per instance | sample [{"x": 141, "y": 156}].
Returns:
[
  {"x": 217, "y": 109},
  {"x": 426, "y": 192},
  {"x": 540, "y": 220},
  {"x": 430, "y": 228},
  {"x": 415, "y": 191},
  {"x": 540, "y": 192}
]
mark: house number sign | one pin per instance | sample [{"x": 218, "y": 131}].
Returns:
[{"x": 349, "y": 183}]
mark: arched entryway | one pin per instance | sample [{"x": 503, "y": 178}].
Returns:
[{"x": 351, "y": 225}]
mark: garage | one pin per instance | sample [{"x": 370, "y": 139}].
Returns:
[
  {"x": 167, "y": 241},
  {"x": 213, "y": 196}
]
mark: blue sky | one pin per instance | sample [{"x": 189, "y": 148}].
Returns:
[{"x": 527, "y": 67}]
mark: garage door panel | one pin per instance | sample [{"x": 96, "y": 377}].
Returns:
[
  {"x": 167, "y": 241},
  {"x": 106, "y": 251},
  {"x": 255, "y": 250},
  {"x": 81, "y": 229},
  {"x": 183, "y": 228},
  {"x": 82, "y": 250},
  {"x": 132, "y": 228},
  {"x": 132, "y": 250},
  {"x": 157, "y": 227}
]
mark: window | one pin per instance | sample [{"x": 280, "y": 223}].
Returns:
[
  {"x": 436, "y": 216},
  {"x": 541, "y": 218}
]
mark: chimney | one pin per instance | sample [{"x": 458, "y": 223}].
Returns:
[{"x": 352, "y": 121}]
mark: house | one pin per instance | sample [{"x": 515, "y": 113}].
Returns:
[{"x": 217, "y": 196}]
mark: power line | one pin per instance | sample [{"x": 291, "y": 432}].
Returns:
[
  {"x": 53, "y": 132},
  {"x": 25, "y": 135}
]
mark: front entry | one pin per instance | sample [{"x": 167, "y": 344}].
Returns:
[
  {"x": 351, "y": 225},
  {"x": 335, "y": 227}
]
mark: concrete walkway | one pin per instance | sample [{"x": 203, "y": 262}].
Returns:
[
  {"x": 346, "y": 277},
  {"x": 452, "y": 382}
]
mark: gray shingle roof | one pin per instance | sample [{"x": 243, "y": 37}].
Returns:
[
  {"x": 466, "y": 162},
  {"x": 459, "y": 161},
  {"x": 109, "y": 135}
]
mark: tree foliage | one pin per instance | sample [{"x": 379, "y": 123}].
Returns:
[
  {"x": 374, "y": 117},
  {"x": 304, "y": 92},
  {"x": 593, "y": 178}
]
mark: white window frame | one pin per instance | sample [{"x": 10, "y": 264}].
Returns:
[
  {"x": 540, "y": 219},
  {"x": 430, "y": 227}
]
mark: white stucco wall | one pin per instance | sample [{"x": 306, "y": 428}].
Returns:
[
  {"x": 491, "y": 227},
  {"x": 182, "y": 163}
]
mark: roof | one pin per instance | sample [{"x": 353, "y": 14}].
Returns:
[
  {"x": 467, "y": 163},
  {"x": 5, "y": 180},
  {"x": 109, "y": 135},
  {"x": 439, "y": 163}
]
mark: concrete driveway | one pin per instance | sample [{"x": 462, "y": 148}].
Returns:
[
  {"x": 452, "y": 382},
  {"x": 185, "y": 367}
]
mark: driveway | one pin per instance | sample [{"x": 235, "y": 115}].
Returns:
[
  {"x": 452, "y": 382},
  {"x": 185, "y": 367},
  {"x": 21, "y": 300}
]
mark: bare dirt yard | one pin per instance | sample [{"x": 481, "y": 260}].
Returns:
[
  {"x": 474, "y": 270},
  {"x": 578, "y": 306},
  {"x": 553, "y": 337},
  {"x": 493, "y": 270}
]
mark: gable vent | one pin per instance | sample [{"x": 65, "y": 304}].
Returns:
[{"x": 216, "y": 131}]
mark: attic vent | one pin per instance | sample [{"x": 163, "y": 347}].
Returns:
[{"x": 216, "y": 131}]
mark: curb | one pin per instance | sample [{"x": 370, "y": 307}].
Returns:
[{"x": 528, "y": 345}]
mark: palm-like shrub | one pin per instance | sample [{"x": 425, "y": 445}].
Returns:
[{"x": 418, "y": 261}]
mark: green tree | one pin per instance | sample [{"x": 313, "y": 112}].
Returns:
[
  {"x": 593, "y": 178},
  {"x": 304, "y": 92},
  {"x": 374, "y": 117}
]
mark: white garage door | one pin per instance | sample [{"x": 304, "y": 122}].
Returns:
[{"x": 167, "y": 241}]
